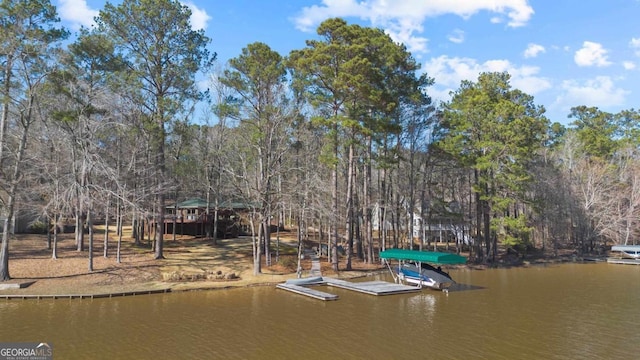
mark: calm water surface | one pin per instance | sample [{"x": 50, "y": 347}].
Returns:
[{"x": 574, "y": 311}]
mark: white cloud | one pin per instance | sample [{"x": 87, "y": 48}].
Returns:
[
  {"x": 600, "y": 91},
  {"x": 403, "y": 19},
  {"x": 313, "y": 15},
  {"x": 457, "y": 36},
  {"x": 403, "y": 33},
  {"x": 448, "y": 72},
  {"x": 533, "y": 50},
  {"x": 635, "y": 44},
  {"x": 199, "y": 17},
  {"x": 592, "y": 54},
  {"x": 629, "y": 65},
  {"x": 77, "y": 12}
]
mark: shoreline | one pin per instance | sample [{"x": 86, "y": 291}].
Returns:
[
  {"x": 190, "y": 264},
  {"x": 265, "y": 279},
  {"x": 152, "y": 288}
]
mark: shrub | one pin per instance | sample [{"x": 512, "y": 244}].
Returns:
[
  {"x": 288, "y": 262},
  {"x": 37, "y": 227}
]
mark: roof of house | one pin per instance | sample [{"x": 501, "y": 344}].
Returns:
[{"x": 198, "y": 203}]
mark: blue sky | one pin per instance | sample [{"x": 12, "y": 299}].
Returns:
[{"x": 565, "y": 53}]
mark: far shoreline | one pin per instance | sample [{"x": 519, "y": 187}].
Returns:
[
  {"x": 87, "y": 290},
  {"x": 190, "y": 264}
]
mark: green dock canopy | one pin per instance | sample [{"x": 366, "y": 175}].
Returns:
[{"x": 424, "y": 256}]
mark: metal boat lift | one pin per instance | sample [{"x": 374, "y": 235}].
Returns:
[{"x": 419, "y": 257}]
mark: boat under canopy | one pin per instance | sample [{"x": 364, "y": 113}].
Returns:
[
  {"x": 414, "y": 268},
  {"x": 432, "y": 257},
  {"x": 632, "y": 251}
]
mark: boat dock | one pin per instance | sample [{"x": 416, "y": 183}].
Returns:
[
  {"x": 376, "y": 288},
  {"x": 623, "y": 261},
  {"x": 302, "y": 290},
  {"x": 301, "y": 286}
]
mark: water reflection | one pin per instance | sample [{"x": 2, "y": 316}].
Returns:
[{"x": 419, "y": 308}]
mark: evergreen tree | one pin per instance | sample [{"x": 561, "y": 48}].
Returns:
[{"x": 163, "y": 54}]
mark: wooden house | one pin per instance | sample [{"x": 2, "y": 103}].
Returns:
[{"x": 190, "y": 218}]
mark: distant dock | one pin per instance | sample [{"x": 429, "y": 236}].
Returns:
[
  {"x": 623, "y": 261},
  {"x": 377, "y": 288}
]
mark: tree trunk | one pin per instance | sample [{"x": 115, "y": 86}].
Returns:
[
  {"x": 134, "y": 230},
  {"x": 334, "y": 219},
  {"x": 412, "y": 200},
  {"x": 54, "y": 251},
  {"x": 479, "y": 210},
  {"x": 80, "y": 216},
  {"x": 105, "y": 252},
  {"x": 214, "y": 234},
  {"x": 160, "y": 176},
  {"x": 79, "y": 229},
  {"x": 423, "y": 207},
  {"x": 175, "y": 219},
  {"x": 6, "y": 101},
  {"x": 208, "y": 221},
  {"x": 257, "y": 248},
  {"x": 118, "y": 259},
  {"x": 299, "y": 267},
  {"x": 159, "y": 245},
  {"x": 11, "y": 202},
  {"x": 368, "y": 223},
  {"x": 48, "y": 233},
  {"x": 4, "y": 251},
  {"x": 266, "y": 236},
  {"x": 382, "y": 210},
  {"x": 350, "y": 222},
  {"x": 90, "y": 225}
]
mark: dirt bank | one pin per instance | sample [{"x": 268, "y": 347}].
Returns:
[{"x": 190, "y": 264}]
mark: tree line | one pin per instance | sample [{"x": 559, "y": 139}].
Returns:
[{"x": 339, "y": 137}]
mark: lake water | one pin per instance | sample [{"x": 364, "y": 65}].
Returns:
[{"x": 569, "y": 311}]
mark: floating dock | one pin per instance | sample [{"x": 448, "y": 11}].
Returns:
[
  {"x": 376, "y": 288},
  {"x": 623, "y": 261},
  {"x": 302, "y": 290}
]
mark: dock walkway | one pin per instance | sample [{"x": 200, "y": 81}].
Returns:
[
  {"x": 376, "y": 288},
  {"x": 316, "y": 269}
]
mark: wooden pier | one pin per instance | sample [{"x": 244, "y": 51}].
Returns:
[
  {"x": 83, "y": 296},
  {"x": 623, "y": 261}
]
